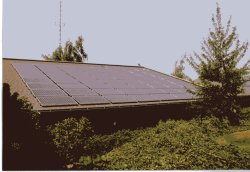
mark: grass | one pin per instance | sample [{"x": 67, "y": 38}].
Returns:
[
  {"x": 241, "y": 139},
  {"x": 239, "y": 135}
]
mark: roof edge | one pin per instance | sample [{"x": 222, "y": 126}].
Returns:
[
  {"x": 69, "y": 62},
  {"x": 190, "y": 82},
  {"x": 129, "y": 105}
]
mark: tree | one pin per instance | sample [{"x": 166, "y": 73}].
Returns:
[
  {"x": 221, "y": 80},
  {"x": 70, "y": 52},
  {"x": 20, "y": 125},
  {"x": 179, "y": 70}
]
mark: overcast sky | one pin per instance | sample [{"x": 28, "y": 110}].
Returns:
[{"x": 154, "y": 33}]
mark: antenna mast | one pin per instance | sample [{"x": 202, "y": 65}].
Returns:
[{"x": 60, "y": 25}]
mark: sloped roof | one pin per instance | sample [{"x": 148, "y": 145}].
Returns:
[{"x": 65, "y": 86}]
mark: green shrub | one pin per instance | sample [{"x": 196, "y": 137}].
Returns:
[
  {"x": 70, "y": 138},
  {"x": 176, "y": 145},
  {"x": 100, "y": 144}
]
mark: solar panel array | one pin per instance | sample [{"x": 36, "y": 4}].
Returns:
[{"x": 72, "y": 84}]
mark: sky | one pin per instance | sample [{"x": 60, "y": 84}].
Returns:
[{"x": 152, "y": 33}]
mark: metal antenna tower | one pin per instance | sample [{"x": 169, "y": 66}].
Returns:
[{"x": 60, "y": 25}]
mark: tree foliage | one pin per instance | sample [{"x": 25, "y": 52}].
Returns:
[
  {"x": 177, "y": 145},
  {"x": 70, "y": 52},
  {"x": 179, "y": 70},
  {"x": 70, "y": 137},
  {"x": 221, "y": 78},
  {"x": 20, "y": 125}
]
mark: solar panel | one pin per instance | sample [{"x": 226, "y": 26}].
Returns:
[
  {"x": 48, "y": 92},
  {"x": 144, "y": 98},
  {"x": 139, "y": 84},
  {"x": 120, "y": 98},
  {"x": 85, "y": 100},
  {"x": 32, "y": 85},
  {"x": 108, "y": 91},
  {"x": 57, "y": 75},
  {"x": 141, "y": 91},
  {"x": 29, "y": 72},
  {"x": 174, "y": 90},
  {"x": 97, "y": 84},
  {"x": 71, "y": 86},
  {"x": 36, "y": 80},
  {"x": 56, "y": 100},
  {"x": 81, "y": 92},
  {"x": 165, "y": 97}
]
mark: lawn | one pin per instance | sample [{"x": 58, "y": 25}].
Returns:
[{"x": 241, "y": 139}]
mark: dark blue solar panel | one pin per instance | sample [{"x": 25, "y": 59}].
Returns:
[
  {"x": 97, "y": 84},
  {"x": 120, "y": 98},
  {"x": 108, "y": 91},
  {"x": 37, "y": 80},
  {"x": 84, "y": 100},
  {"x": 165, "y": 97},
  {"x": 174, "y": 90},
  {"x": 39, "y": 85},
  {"x": 56, "y": 100},
  {"x": 57, "y": 75},
  {"x": 48, "y": 92},
  {"x": 29, "y": 72},
  {"x": 87, "y": 82},
  {"x": 81, "y": 92},
  {"x": 71, "y": 86},
  {"x": 144, "y": 98},
  {"x": 141, "y": 91}
]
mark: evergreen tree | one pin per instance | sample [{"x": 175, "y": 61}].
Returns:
[
  {"x": 221, "y": 80},
  {"x": 70, "y": 52}
]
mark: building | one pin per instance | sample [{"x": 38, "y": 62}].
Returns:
[{"x": 111, "y": 96}]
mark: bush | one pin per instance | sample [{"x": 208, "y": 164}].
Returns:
[
  {"x": 176, "y": 145},
  {"x": 70, "y": 138},
  {"x": 101, "y": 144}
]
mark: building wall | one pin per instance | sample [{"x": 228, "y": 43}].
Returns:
[{"x": 109, "y": 120}]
